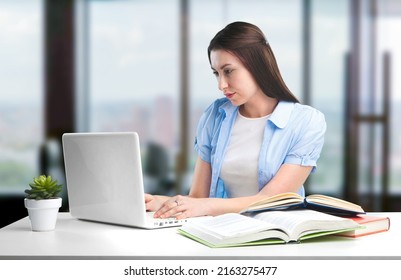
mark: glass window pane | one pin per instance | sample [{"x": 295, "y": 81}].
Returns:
[
  {"x": 388, "y": 43},
  {"x": 329, "y": 48},
  {"x": 134, "y": 70},
  {"x": 21, "y": 56}
]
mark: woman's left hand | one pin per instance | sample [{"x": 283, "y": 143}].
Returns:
[{"x": 182, "y": 207}]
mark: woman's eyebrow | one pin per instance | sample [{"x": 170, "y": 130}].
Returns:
[{"x": 222, "y": 67}]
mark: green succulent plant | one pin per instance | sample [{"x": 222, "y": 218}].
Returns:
[{"x": 43, "y": 187}]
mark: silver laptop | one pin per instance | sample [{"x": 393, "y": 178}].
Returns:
[{"x": 104, "y": 179}]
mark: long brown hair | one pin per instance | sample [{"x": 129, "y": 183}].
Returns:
[{"x": 247, "y": 42}]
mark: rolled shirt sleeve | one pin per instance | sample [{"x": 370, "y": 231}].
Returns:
[{"x": 308, "y": 138}]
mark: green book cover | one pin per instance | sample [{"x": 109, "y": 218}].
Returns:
[{"x": 269, "y": 241}]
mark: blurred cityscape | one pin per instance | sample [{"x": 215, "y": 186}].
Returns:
[
  {"x": 156, "y": 122},
  {"x": 21, "y": 133}
]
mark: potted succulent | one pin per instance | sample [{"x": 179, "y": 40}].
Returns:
[{"x": 43, "y": 203}]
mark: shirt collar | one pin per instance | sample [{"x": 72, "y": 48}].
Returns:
[
  {"x": 228, "y": 107},
  {"x": 281, "y": 114}
]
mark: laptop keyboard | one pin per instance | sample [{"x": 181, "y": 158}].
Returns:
[
  {"x": 165, "y": 222},
  {"x": 169, "y": 221}
]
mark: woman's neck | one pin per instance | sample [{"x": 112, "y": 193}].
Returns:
[{"x": 258, "y": 107}]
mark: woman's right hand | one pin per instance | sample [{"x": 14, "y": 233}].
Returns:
[{"x": 154, "y": 202}]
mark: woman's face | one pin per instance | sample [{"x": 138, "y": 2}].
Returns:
[{"x": 233, "y": 79}]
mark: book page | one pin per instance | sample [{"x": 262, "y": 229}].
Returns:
[
  {"x": 230, "y": 225},
  {"x": 278, "y": 199},
  {"x": 332, "y": 201},
  {"x": 288, "y": 220},
  {"x": 300, "y": 222},
  {"x": 233, "y": 230},
  {"x": 277, "y": 202}
]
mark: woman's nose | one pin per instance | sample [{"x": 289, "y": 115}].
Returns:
[{"x": 222, "y": 83}]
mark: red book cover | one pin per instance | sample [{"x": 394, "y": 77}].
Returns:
[{"x": 371, "y": 224}]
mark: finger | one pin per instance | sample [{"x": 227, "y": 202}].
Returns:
[
  {"x": 166, "y": 206},
  {"x": 173, "y": 207},
  {"x": 148, "y": 197},
  {"x": 151, "y": 206},
  {"x": 173, "y": 212},
  {"x": 182, "y": 215},
  {"x": 171, "y": 203},
  {"x": 148, "y": 206},
  {"x": 170, "y": 209}
]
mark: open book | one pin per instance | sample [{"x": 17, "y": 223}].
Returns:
[
  {"x": 229, "y": 230},
  {"x": 318, "y": 202}
]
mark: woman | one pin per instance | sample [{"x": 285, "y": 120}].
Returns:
[{"x": 255, "y": 142}]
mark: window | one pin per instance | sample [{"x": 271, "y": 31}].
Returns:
[
  {"x": 389, "y": 23},
  {"x": 21, "y": 56},
  {"x": 134, "y": 71},
  {"x": 329, "y": 49}
]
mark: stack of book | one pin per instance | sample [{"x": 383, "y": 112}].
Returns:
[
  {"x": 285, "y": 218},
  {"x": 369, "y": 225}
]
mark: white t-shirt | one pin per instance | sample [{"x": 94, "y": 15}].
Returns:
[{"x": 239, "y": 170}]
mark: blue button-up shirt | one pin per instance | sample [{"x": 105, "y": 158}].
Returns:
[{"x": 294, "y": 134}]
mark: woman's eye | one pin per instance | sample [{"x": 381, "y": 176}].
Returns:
[
  {"x": 215, "y": 73},
  {"x": 227, "y": 71}
]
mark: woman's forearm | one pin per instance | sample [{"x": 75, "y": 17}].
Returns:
[{"x": 220, "y": 206}]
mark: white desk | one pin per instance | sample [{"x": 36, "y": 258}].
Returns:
[{"x": 76, "y": 239}]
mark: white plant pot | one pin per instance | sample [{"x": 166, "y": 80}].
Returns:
[{"x": 43, "y": 213}]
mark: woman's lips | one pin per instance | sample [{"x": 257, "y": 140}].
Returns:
[{"x": 229, "y": 95}]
